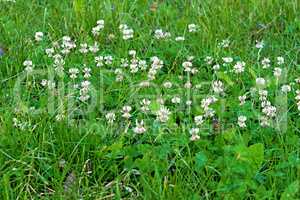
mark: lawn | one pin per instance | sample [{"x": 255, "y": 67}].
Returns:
[{"x": 140, "y": 99}]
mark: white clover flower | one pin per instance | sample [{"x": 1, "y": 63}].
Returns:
[
  {"x": 260, "y": 44},
  {"x": 38, "y": 36},
  {"x": 44, "y": 82},
  {"x": 87, "y": 72},
  {"x": 163, "y": 114},
  {"x": 260, "y": 82},
  {"x": 132, "y": 53},
  {"x": 264, "y": 121},
  {"x": 188, "y": 85},
  {"x": 194, "y": 134},
  {"x": 269, "y": 110},
  {"x": 126, "y": 111},
  {"x": 188, "y": 102},
  {"x": 110, "y": 117},
  {"x": 280, "y": 60},
  {"x": 216, "y": 67},
  {"x": 192, "y": 28},
  {"x": 139, "y": 128},
  {"x": 160, "y": 34},
  {"x": 224, "y": 43},
  {"x": 266, "y": 63},
  {"x": 242, "y": 121},
  {"x": 239, "y": 67},
  {"x": 286, "y": 88},
  {"x": 194, "y": 131},
  {"x": 145, "y": 105},
  {"x": 49, "y": 52},
  {"x": 217, "y": 87},
  {"x": 227, "y": 59},
  {"x": 277, "y": 72},
  {"x": 167, "y": 84},
  {"x": 199, "y": 120},
  {"x": 73, "y": 73},
  {"x": 242, "y": 99},
  {"x": 127, "y": 32},
  {"x": 108, "y": 59},
  {"x": 99, "y": 61},
  {"x": 94, "y": 48},
  {"x": 142, "y": 64},
  {"x": 84, "y": 48},
  {"x": 176, "y": 100},
  {"x": 28, "y": 66},
  {"x": 208, "y": 60},
  {"x": 179, "y": 38}
]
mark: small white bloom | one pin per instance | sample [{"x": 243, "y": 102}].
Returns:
[
  {"x": 192, "y": 28},
  {"x": 163, "y": 114},
  {"x": 199, "y": 120},
  {"x": 227, "y": 59},
  {"x": 39, "y": 36},
  {"x": 286, "y": 88},
  {"x": 266, "y": 63},
  {"x": 139, "y": 128},
  {"x": 242, "y": 121},
  {"x": 277, "y": 72},
  {"x": 111, "y": 117},
  {"x": 179, "y": 38},
  {"x": 242, "y": 99},
  {"x": 175, "y": 100},
  {"x": 260, "y": 44},
  {"x": 239, "y": 67},
  {"x": 280, "y": 60},
  {"x": 260, "y": 82}
]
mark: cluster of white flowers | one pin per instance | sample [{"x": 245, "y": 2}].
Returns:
[
  {"x": 218, "y": 87},
  {"x": 28, "y": 66},
  {"x": 163, "y": 114},
  {"x": 100, "y": 25},
  {"x": 192, "y": 28},
  {"x": 268, "y": 110},
  {"x": 266, "y": 63},
  {"x": 242, "y": 99},
  {"x": 297, "y": 98},
  {"x": 156, "y": 65},
  {"x": 73, "y": 73},
  {"x": 110, "y": 117},
  {"x": 126, "y": 112},
  {"x": 277, "y": 72},
  {"x": 242, "y": 121},
  {"x": 160, "y": 34},
  {"x": 286, "y": 88},
  {"x": 67, "y": 45},
  {"x": 145, "y": 105},
  {"x": 224, "y": 43},
  {"x": 101, "y": 60},
  {"x": 179, "y": 38},
  {"x": 140, "y": 127},
  {"x": 126, "y": 31},
  {"x": 205, "y": 103},
  {"x": 194, "y": 134},
  {"x": 84, "y": 91},
  {"x": 239, "y": 67},
  {"x": 38, "y": 36}
]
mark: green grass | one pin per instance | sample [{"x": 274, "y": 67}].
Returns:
[{"x": 84, "y": 157}]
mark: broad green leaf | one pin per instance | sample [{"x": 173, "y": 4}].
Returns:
[
  {"x": 226, "y": 78},
  {"x": 291, "y": 191},
  {"x": 200, "y": 160}
]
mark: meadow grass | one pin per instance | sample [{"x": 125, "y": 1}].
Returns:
[{"x": 81, "y": 156}]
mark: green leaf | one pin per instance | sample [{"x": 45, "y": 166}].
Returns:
[
  {"x": 256, "y": 153},
  {"x": 291, "y": 191},
  {"x": 200, "y": 160},
  {"x": 226, "y": 78}
]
